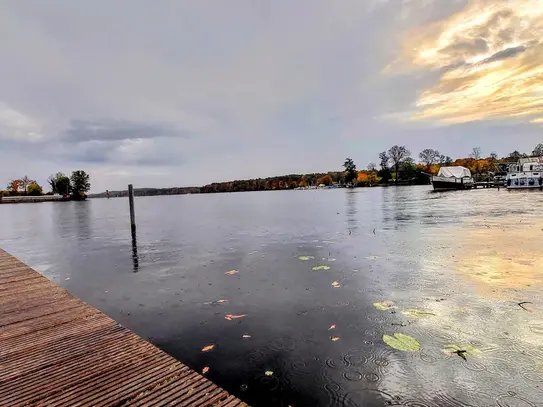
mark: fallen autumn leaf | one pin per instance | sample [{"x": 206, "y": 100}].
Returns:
[
  {"x": 231, "y": 272},
  {"x": 207, "y": 348},
  {"x": 205, "y": 370},
  {"x": 332, "y": 327},
  {"x": 230, "y": 317}
]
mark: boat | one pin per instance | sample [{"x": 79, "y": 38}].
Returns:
[
  {"x": 452, "y": 178},
  {"x": 527, "y": 173}
]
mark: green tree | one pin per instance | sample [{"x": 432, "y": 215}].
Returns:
[
  {"x": 538, "y": 150},
  {"x": 80, "y": 184},
  {"x": 60, "y": 183},
  {"x": 34, "y": 189},
  {"x": 516, "y": 155},
  {"x": 350, "y": 170},
  {"x": 397, "y": 155}
]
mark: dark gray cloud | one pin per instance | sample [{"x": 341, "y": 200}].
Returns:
[
  {"x": 506, "y": 53},
  {"x": 117, "y": 130}
]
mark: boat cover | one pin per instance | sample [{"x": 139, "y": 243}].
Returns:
[{"x": 454, "y": 172}]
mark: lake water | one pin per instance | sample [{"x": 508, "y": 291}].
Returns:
[{"x": 467, "y": 259}]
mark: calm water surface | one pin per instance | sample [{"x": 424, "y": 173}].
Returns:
[{"x": 468, "y": 258}]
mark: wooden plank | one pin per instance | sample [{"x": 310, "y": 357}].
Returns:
[{"x": 56, "y": 350}]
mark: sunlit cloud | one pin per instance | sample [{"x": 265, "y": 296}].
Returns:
[{"x": 490, "y": 56}]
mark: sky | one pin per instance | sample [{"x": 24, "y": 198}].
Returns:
[{"x": 182, "y": 93}]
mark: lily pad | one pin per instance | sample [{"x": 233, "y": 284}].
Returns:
[
  {"x": 317, "y": 268},
  {"x": 384, "y": 306},
  {"x": 417, "y": 313},
  {"x": 402, "y": 342},
  {"x": 305, "y": 258},
  {"x": 463, "y": 350}
]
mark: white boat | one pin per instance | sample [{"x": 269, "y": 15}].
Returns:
[
  {"x": 452, "y": 178},
  {"x": 526, "y": 174}
]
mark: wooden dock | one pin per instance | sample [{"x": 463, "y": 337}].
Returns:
[{"x": 58, "y": 351}]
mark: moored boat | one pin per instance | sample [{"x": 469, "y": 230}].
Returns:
[
  {"x": 452, "y": 178},
  {"x": 526, "y": 174}
]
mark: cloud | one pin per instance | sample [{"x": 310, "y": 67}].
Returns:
[
  {"x": 118, "y": 130},
  {"x": 490, "y": 55},
  {"x": 17, "y": 126}
]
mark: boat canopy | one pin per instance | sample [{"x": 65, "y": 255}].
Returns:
[{"x": 454, "y": 172}]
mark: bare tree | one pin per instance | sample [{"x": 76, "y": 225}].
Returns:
[
  {"x": 384, "y": 160},
  {"x": 25, "y": 182},
  {"x": 476, "y": 153},
  {"x": 429, "y": 156},
  {"x": 398, "y": 154},
  {"x": 372, "y": 167}
]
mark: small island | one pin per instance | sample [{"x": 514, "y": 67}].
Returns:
[{"x": 63, "y": 188}]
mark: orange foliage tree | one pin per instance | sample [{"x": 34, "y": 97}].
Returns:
[
  {"x": 326, "y": 180},
  {"x": 14, "y": 186}
]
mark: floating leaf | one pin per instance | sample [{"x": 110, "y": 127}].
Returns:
[
  {"x": 230, "y": 317},
  {"x": 231, "y": 272},
  {"x": 373, "y": 257},
  {"x": 246, "y": 336},
  {"x": 463, "y": 351},
  {"x": 384, "y": 306},
  {"x": 332, "y": 327},
  {"x": 317, "y": 268},
  {"x": 207, "y": 348},
  {"x": 336, "y": 284},
  {"x": 268, "y": 373},
  {"x": 205, "y": 370},
  {"x": 221, "y": 301},
  {"x": 417, "y": 313},
  {"x": 402, "y": 342},
  {"x": 305, "y": 258},
  {"x": 334, "y": 338},
  {"x": 328, "y": 259}
]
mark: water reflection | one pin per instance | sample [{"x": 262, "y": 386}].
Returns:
[
  {"x": 351, "y": 210},
  {"x": 442, "y": 254},
  {"x": 135, "y": 258}
]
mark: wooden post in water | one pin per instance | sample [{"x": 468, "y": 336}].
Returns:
[{"x": 132, "y": 214}]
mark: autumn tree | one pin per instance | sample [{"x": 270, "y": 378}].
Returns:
[
  {"x": 538, "y": 150},
  {"x": 397, "y": 155},
  {"x": 326, "y": 180},
  {"x": 350, "y": 170},
  {"x": 80, "y": 184},
  {"x": 429, "y": 157},
  {"x": 14, "y": 186}
]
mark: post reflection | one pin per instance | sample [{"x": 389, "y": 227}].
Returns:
[{"x": 135, "y": 258}]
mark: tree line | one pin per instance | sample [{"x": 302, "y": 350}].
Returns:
[{"x": 76, "y": 186}]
